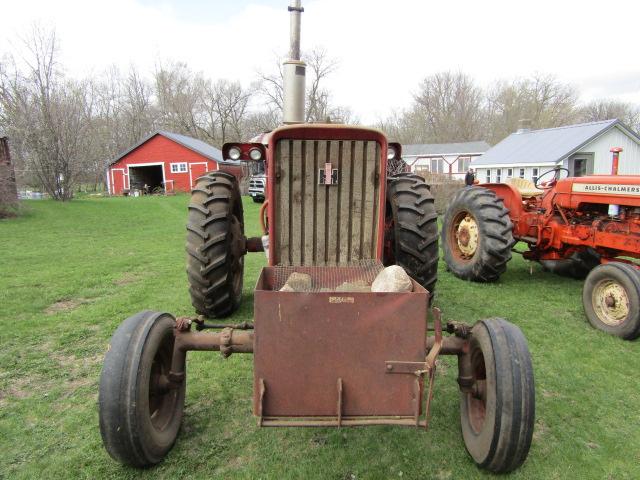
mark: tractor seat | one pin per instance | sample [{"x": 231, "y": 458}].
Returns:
[{"x": 526, "y": 187}]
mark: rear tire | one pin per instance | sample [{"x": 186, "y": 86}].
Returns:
[
  {"x": 139, "y": 416},
  {"x": 477, "y": 235},
  {"x": 611, "y": 299},
  {"x": 498, "y": 417},
  {"x": 215, "y": 245},
  {"x": 411, "y": 236}
]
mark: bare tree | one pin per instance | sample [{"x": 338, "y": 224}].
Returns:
[
  {"x": 48, "y": 114},
  {"x": 597, "y": 110},
  {"x": 139, "y": 114},
  {"x": 319, "y": 67},
  {"x": 543, "y": 100},
  {"x": 270, "y": 87},
  {"x": 318, "y": 103},
  {"x": 451, "y": 108},
  {"x": 449, "y": 105},
  {"x": 179, "y": 92},
  {"x": 225, "y": 105},
  {"x": 406, "y": 127},
  {"x": 261, "y": 121}
]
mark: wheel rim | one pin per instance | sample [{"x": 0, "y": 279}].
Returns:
[
  {"x": 477, "y": 397},
  {"x": 465, "y": 236},
  {"x": 163, "y": 400},
  {"x": 610, "y": 302}
]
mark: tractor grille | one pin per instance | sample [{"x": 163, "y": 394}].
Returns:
[{"x": 319, "y": 224}]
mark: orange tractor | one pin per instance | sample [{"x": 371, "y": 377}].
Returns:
[
  {"x": 329, "y": 351},
  {"x": 580, "y": 227}
]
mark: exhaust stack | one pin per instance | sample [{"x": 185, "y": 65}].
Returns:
[
  {"x": 616, "y": 159},
  {"x": 294, "y": 72}
]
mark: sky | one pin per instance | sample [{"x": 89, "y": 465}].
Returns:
[{"x": 383, "y": 48}]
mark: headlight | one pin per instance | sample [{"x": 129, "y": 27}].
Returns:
[
  {"x": 255, "y": 154},
  {"x": 391, "y": 153},
  {"x": 234, "y": 153}
]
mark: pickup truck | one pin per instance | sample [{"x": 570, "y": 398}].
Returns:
[{"x": 257, "y": 184}]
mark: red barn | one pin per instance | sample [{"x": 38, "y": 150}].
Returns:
[{"x": 164, "y": 161}]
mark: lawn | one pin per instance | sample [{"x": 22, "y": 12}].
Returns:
[{"x": 70, "y": 273}]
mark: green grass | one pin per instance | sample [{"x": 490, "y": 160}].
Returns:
[{"x": 70, "y": 273}]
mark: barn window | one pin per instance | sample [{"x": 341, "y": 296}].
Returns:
[
  {"x": 509, "y": 172},
  {"x": 522, "y": 173},
  {"x": 178, "y": 167},
  {"x": 488, "y": 175},
  {"x": 535, "y": 175},
  {"x": 498, "y": 175}
]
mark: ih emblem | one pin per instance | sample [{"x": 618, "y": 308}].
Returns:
[{"x": 328, "y": 175}]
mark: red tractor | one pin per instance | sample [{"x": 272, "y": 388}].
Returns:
[
  {"x": 334, "y": 353},
  {"x": 580, "y": 227}
]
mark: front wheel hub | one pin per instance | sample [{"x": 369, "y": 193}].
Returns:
[{"x": 611, "y": 302}]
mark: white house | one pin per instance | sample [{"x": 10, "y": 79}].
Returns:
[
  {"x": 583, "y": 149},
  {"x": 444, "y": 158}
]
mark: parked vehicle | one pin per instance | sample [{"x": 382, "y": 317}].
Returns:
[
  {"x": 327, "y": 356},
  {"x": 579, "y": 226},
  {"x": 257, "y": 182}
]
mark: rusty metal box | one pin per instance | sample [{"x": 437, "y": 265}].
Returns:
[{"x": 323, "y": 354}]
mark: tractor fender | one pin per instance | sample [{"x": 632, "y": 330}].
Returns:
[{"x": 511, "y": 198}]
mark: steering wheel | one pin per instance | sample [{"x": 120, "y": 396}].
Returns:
[{"x": 556, "y": 176}]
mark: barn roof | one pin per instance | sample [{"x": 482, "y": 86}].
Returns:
[
  {"x": 430, "y": 149},
  {"x": 549, "y": 145},
  {"x": 194, "y": 144}
]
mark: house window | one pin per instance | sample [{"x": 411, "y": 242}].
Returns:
[
  {"x": 579, "y": 167},
  {"x": 509, "y": 172},
  {"x": 437, "y": 165},
  {"x": 463, "y": 164},
  {"x": 522, "y": 173},
  {"x": 488, "y": 176},
  {"x": 498, "y": 175},
  {"x": 179, "y": 167},
  {"x": 534, "y": 172}
]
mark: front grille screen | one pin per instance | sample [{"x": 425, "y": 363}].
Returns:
[{"x": 326, "y": 195}]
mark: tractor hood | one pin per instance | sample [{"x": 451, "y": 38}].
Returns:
[{"x": 604, "y": 189}]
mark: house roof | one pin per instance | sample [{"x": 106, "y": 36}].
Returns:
[
  {"x": 194, "y": 144},
  {"x": 549, "y": 145},
  {"x": 431, "y": 149}
]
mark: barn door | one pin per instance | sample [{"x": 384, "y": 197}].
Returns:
[
  {"x": 117, "y": 181},
  {"x": 196, "y": 170}
]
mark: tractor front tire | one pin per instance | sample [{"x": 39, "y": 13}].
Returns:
[
  {"x": 498, "y": 412},
  {"x": 477, "y": 235},
  {"x": 140, "y": 415},
  {"x": 611, "y": 299},
  {"x": 411, "y": 236},
  {"x": 215, "y": 245}
]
